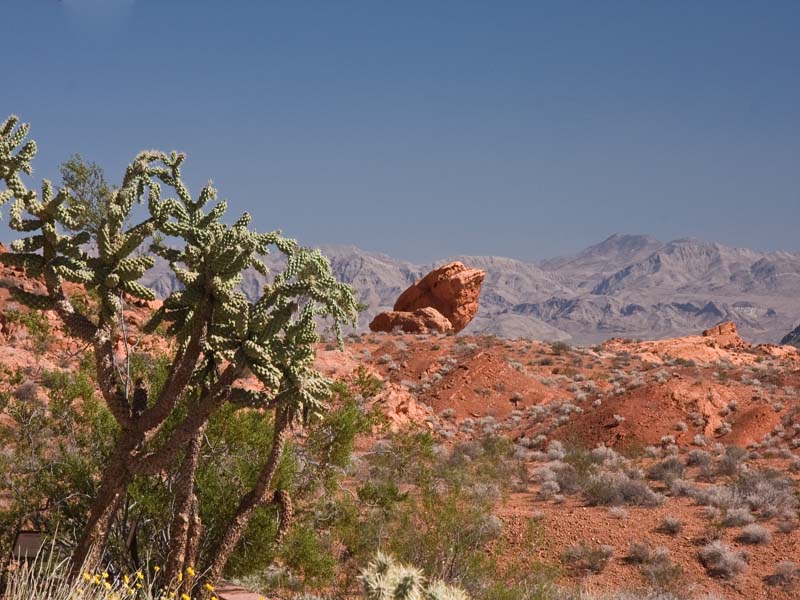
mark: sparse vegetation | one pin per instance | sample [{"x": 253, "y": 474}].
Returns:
[
  {"x": 721, "y": 561},
  {"x": 588, "y": 557}
]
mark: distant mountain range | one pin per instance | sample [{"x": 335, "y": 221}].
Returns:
[{"x": 630, "y": 286}]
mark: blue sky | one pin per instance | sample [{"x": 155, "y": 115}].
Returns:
[{"x": 427, "y": 129}]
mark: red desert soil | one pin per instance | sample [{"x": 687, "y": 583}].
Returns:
[
  {"x": 731, "y": 393},
  {"x": 638, "y": 398}
]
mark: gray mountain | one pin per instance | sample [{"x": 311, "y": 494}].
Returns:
[
  {"x": 793, "y": 337},
  {"x": 626, "y": 286}
]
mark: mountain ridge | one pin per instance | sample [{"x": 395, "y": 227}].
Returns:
[{"x": 627, "y": 285}]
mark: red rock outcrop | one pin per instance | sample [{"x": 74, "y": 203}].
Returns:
[
  {"x": 422, "y": 320},
  {"x": 725, "y": 335},
  {"x": 452, "y": 289}
]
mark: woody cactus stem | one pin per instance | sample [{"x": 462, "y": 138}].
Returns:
[
  {"x": 193, "y": 537},
  {"x": 255, "y": 498},
  {"x": 208, "y": 318},
  {"x": 182, "y": 520},
  {"x": 283, "y": 501}
]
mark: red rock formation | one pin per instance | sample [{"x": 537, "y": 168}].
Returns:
[
  {"x": 422, "y": 320},
  {"x": 725, "y": 335},
  {"x": 452, "y": 289}
]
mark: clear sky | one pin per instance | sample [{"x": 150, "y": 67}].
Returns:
[{"x": 426, "y": 129}]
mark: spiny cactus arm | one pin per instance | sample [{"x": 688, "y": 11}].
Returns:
[
  {"x": 245, "y": 398},
  {"x": 386, "y": 579},
  {"x": 178, "y": 377},
  {"x": 438, "y": 590},
  {"x": 115, "y": 273},
  {"x": 39, "y": 253},
  {"x": 209, "y": 285}
]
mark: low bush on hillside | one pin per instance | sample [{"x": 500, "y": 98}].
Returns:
[
  {"x": 671, "y": 525},
  {"x": 616, "y": 489},
  {"x": 754, "y": 534},
  {"x": 721, "y": 561},
  {"x": 587, "y": 557}
]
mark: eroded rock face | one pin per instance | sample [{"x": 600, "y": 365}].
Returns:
[
  {"x": 422, "y": 320},
  {"x": 725, "y": 335},
  {"x": 792, "y": 338},
  {"x": 452, "y": 289}
]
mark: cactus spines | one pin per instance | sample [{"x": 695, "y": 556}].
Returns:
[{"x": 386, "y": 579}]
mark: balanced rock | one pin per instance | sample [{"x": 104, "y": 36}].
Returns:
[
  {"x": 422, "y": 320},
  {"x": 452, "y": 289},
  {"x": 725, "y": 335}
]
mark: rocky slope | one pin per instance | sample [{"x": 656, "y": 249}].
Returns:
[
  {"x": 643, "y": 407},
  {"x": 793, "y": 337},
  {"x": 657, "y": 417},
  {"x": 626, "y": 286}
]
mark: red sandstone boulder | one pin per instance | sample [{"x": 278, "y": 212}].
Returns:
[
  {"x": 452, "y": 289},
  {"x": 725, "y": 335},
  {"x": 422, "y": 320}
]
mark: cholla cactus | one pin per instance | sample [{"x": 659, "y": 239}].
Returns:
[
  {"x": 386, "y": 579},
  {"x": 213, "y": 323}
]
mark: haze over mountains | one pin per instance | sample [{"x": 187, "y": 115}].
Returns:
[{"x": 630, "y": 286}]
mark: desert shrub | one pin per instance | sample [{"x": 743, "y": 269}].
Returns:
[
  {"x": 618, "y": 489},
  {"x": 732, "y": 461},
  {"x": 737, "y": 517},
  {"x": 659, "y": 569},
  {"x": 639, "y": 553},
  {"x": 56, "y": 435},
  {"x": 671, "y": 525},
  {"x": 569, "y": 479},
  {"x": 667, "y": 470},
  {"x": 588, "y": 557},
  {"x": 716, "y": 496},
  {"x": 767, "y": 493},
  {"x": 721, "y": 561},
  {"x": 555, "y": 450},
  {"x": 421, "y": 504},
  {"x": 786, "y": 525},
  {"x": 754, "y": 534},
  {"x": 786, "y": 572},
  {"x": 586, "y": 461},
  {"x": 37, "y": 325},
  {"x": 698, "y": 458}
]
